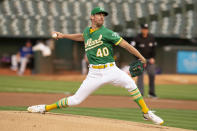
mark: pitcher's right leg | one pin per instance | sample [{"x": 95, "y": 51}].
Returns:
[
  {"x": 87, "y": 87},
  {"x": 90, "y": 84}
]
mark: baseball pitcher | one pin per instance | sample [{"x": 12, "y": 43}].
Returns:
[{"x": 98, "y": 42}]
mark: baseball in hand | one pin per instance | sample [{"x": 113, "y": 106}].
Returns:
[{"x": 54, "y": 35}]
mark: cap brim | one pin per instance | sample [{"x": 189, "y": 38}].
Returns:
[{"x": 103, "y": 12}]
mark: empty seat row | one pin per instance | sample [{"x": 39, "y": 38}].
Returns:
[{"x": 38, "y": 18}]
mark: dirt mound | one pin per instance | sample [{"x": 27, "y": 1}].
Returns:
[{"x": 23, "y": 121}]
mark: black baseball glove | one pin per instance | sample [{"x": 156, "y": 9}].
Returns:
[{"x": 136, "y": 68}]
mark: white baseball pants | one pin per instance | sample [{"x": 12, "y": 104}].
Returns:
[{"x": 98, "y": 77}]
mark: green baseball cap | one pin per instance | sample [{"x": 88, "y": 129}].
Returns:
[{"x": 98, "y": 10}]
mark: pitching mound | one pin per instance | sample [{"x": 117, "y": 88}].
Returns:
[{"x": 23, "y": 121}]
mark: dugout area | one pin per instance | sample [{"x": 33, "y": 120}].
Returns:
[{"x": 67, "y": 55}]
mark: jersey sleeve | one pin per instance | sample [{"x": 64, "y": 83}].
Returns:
[{"x": 113, "y": 37}]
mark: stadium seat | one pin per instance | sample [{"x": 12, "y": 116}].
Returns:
[{"x": 177, "y": 18}]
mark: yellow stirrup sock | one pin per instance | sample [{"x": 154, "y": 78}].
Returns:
[
  {"x": 59, "y": 104},
  {"x": 137, "y": 97}
]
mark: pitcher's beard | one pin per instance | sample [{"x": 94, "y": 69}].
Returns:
[{"x": 99, "y": 25}]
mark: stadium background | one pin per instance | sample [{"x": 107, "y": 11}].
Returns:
[{"x": 173, "y": 22}]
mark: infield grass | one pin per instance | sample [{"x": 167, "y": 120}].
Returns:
[
  {"x": 175, "y": 118},
  {"x": 30, "y": 84}
]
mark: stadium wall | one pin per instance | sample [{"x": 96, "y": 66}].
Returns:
[{"x": 68, "y": 54}]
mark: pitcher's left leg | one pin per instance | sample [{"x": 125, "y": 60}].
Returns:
[
  {"x": 125, "y": 81},
  {"x": 137, "y": 97}
]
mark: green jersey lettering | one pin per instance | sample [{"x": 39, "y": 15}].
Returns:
[{"x": 99, "y": 45}]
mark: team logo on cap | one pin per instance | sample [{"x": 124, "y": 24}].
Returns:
[{"x": 101, "y": 8}]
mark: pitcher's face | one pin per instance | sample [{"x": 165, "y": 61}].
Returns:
[{"x": 98, "y": 19}]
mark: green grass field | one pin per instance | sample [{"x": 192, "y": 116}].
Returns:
[
  {"x": 30, "y": 84},
  {"x": 175, "y": 118}
]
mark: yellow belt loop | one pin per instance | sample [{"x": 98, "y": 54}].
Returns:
[{"x": 102, "y": 66}]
